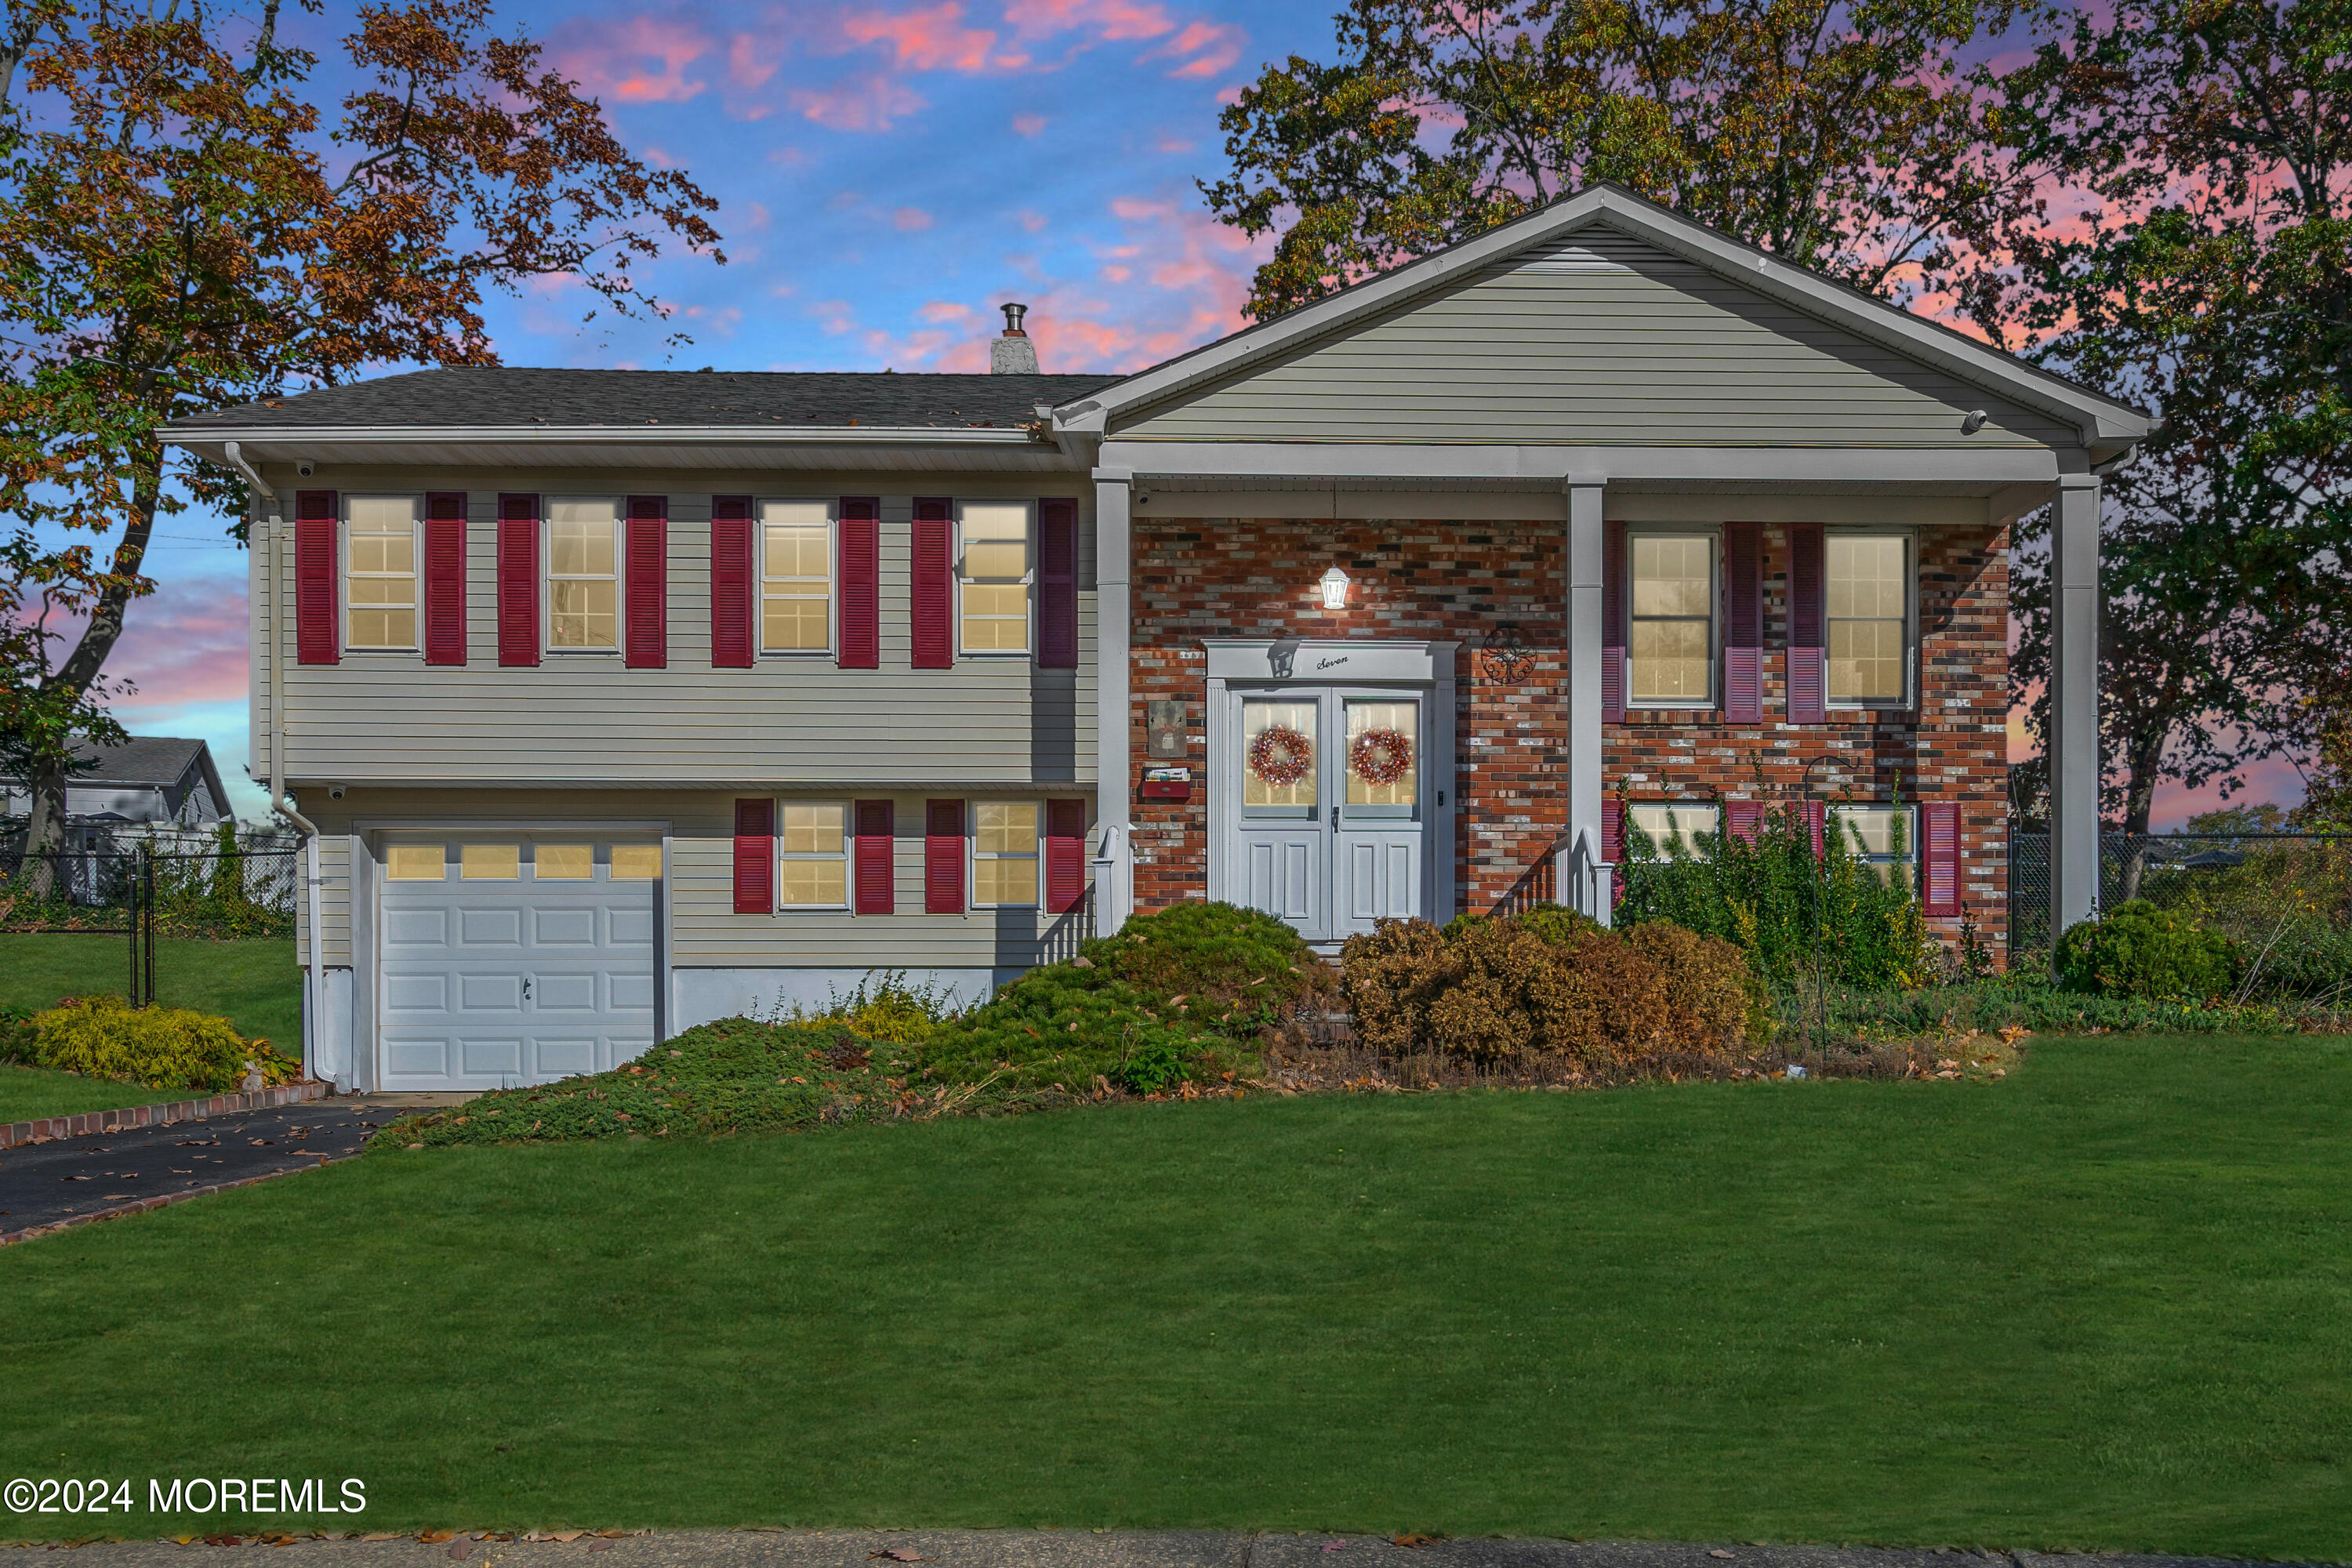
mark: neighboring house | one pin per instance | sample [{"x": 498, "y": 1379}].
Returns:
[
  {"x": 625, "y": 700},
  {"x": 147, "y": 784}
]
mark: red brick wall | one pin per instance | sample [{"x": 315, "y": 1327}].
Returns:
[{"x": 1498, "y": 589}]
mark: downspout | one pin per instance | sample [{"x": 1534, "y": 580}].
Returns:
[{"x": 315, "y": 975}]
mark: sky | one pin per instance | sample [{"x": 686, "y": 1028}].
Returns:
[{"x": 889, "y": 172}]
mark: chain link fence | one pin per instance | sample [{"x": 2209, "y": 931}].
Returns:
[{"x": 2240, "y": 883}]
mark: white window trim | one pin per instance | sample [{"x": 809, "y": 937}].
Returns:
[
  {"x": 1028, "y": 579},
  {"x": 1910, "y": 698},
  {"x": 343, "y": 569},
  {"x": 1713, "y": 534},
  {"x": 972, "y": 852},
  {"x": 844, "y": 855},
  {"x": 832, "y": 648},
  {"x": 547, "y": 579}
]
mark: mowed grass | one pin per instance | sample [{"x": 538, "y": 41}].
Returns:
[
  {"x": 2106, "y": 1303},
  {"x": 27, "y": 1094}
]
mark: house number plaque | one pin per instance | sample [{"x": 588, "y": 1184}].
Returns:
[{"x": 1163, "y": 729}]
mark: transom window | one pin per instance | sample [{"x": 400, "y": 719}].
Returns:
[
  {"x": 1881, "y": 836},
  {"x": 583, "y": 586},
  {"x": 994, "y": 576},
  {"x": 813, "y": 865},
  {"x": 381, "y": 571},
  {"x": 1664, "y": 824},
  {"x": 1670, "y": 662},
  {"x": 1869, "y": 582},
  {"x": 1005, "y": 852},
  {"x": 795, "y": 576}
]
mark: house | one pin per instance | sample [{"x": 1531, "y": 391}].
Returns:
[
  {"x": 148, "y": 782},
  {"x": 621, "y": 700}
]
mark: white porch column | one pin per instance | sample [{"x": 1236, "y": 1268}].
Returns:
[
  {"x": 2074, "y": 703},
  {"x": 1583, "y": 873},
  {"x": 1114, "y": 765}
]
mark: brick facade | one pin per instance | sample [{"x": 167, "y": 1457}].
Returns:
[{"x": 1499, "y": 590}]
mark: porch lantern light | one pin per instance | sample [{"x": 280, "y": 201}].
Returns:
[{"x": 1334, "y": 584}]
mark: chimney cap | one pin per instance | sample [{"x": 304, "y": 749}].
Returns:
[{"x": 1012, "y": 314}]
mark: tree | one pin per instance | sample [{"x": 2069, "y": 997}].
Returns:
[
  {"x": 1843, "y": 136},
  {"x": 182, "y": 228},
  {"x": 2210, "y": 276}
]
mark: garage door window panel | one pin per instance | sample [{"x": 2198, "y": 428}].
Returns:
[
  {"x": 415, "y": 863},
  {"x": 562, "y": 862},
  {"x": 490, "y": 863}
]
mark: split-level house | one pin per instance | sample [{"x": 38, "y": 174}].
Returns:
[{"x": 619, "y": 700}]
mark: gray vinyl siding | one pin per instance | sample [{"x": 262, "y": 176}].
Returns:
[
  {"x": 334, "y": 902},
  {"x": 389, "y": 717},
  {"x": 1600, "y": 340},
  {"x": 704, "y": 931}
]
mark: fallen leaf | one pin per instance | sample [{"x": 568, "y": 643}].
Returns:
[
  {"x": 1718, "y": 1552},
  {"x": 567, "y": 1536},
  {"x": 1417, "y": 1540},
  {"x": 381, "y": 1535},
  {"x": 896, "y": 1554},
  {"x": 435, "y": 1537},
  {"x": 460, "y": 1550}
]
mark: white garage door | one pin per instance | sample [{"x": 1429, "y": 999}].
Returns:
[{"x": 514, "y": 959}]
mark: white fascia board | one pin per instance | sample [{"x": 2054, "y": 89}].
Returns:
[
  {"x": 2101, "y": 420},
  {"x": 207, "y": 441},
  {"x": 1980, "y": 471}
]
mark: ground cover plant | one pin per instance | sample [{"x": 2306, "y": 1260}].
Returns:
[{"x": 2106, "y": 1302}]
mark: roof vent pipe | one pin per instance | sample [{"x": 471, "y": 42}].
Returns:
[{"x": 1013, "y": 353}]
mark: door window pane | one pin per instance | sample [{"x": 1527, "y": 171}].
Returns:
[
  {"x": 812, "y": 867},
  {"x": 583, "y": 589},
  {"x": 1005, "y": 852},
  {"x": 1869, "y": 608},
  {"x": 562, "y": 862},
  {"x": 381, "y": 575},
  {"x": 1278, "y": 755},
  {"x": 993, "y": 577},
  {"x": 1383, "y": 753},
  {"x": 415, "y": 863},
  {"x": 1670, "y": 658},
  {"x": 796, "y": 576},
  {"x": 490, "y": 862}
]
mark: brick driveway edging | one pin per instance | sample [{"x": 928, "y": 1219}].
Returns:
[{"x": 130, "y": 1117}]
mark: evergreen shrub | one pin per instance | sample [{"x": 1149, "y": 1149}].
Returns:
[
  {"x": 157, "y": 1047},
  {"x": 2138, "y": 950}
]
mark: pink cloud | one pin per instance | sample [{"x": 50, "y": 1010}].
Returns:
[
  {"x": 932, "y": 39},
  {"x": 1028, "y": 124},
  {"x": 747, "y": 67},
  {"x": 641, "y": 60},
  {"x": 1113, "y": 19},
  {"x": 872, "y": 104},
  {"x": 1214, "y": 45},
  {"x": 939, "y": 313},
  {"x": 910, "y": 220},
  {"x": 184, "y": 644}
]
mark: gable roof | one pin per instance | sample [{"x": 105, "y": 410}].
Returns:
[
  {"x": 2106, "y": 426},
  {"x": 504, "y": 396}
]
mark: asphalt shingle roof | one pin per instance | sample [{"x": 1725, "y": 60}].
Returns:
[{"x": 428, "y": 399}]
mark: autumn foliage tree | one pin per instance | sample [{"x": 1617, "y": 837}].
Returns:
[{"x": 184, "y": 226}]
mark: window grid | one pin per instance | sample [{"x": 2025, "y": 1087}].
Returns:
[
  {"x": 995, "y": 568},
  {"x": 583, "y": 586},
  {"x": 380, "y": 573},
  {"x": 1662, "y": 822},
  {"x": 1670, "y": 656},
  {"x": 1003, "y": 854},
  {"x": 811, "y": 854},
  {"x": 795, "y": 577},
  {"x": 1868, "y": 595},
  {"x": 1882, "y": 837}
]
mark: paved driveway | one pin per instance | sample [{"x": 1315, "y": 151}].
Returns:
[{"x": 76, "y": 1178}]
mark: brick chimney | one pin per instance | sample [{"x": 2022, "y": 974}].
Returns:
[{"x": 1013, "y": 353}]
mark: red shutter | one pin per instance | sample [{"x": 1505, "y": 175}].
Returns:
[
  {"x": 1065, "y": 855},
  {"x": 1743, "y": 817},
  {"x": 943, "y": 857},
  {"x": 1817, "y": 820},
  {"x": 861, "y": 583},
  {"x": 933, "y": 592},
  {"x": 1057, "y": 584},
  {"x": 518, "y": 579},
  {"x": 1613, "y": 847},
  {"x": 877, "y": 859},
  {"x": 731, "y": 582},
  {"x": 444, "y": 577},
  {"x": 315, "y": 641},
  {"x": 1808, "y": 656},
  {"x": 755, "y": 857},
  {"x": 1615, "y": 587},
  {"x": 646, "y": 564},
  {"x": 1940, "y": 856},
  {"x": 1743, "y": 622}
]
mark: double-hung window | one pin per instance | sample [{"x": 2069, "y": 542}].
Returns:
[
  {"x": 1004, "y": 852},
  {"x": 1869, "y": 619},
  {"x": 813, "y": 864},
  {"x": 795, "y": 576},
  {"x": 584, "y": 582},
  {"x": 1670, "y": 662},
  {"x": 1882, "y": 837},
  {"x": 994, "y": 569},
  {"x": 380, "y": 573},
  {"x": 1665, "y": 824}
]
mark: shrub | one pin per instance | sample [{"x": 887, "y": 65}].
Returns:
[
  {"x": 2138, "y": 950},
  {"x": 1549, "y": 984},
  {"x": 1245, "y": 970},
  {"x": 158, "y": 1048},
  {"x": 883, "y": 1007},
  {"x": 1064, "y": 1026}
]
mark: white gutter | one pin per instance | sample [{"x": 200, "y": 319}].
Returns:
[
  {"x": 314, "y": 975},
  {"x": 572, "y": 435}
]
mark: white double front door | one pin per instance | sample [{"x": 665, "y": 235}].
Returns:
[{"x": 1329, "y": 789}]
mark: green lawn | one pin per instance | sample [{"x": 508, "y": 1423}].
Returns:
[
  {"x": 2106, "y": 1303},
  {"x": 254, "y": 985},
  {"x": 30, "y": 1093}
]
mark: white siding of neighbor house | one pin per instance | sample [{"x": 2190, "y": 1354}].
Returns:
[
  {"x": 1598, "y": 339},
  {"x": 586, "y": 719}
]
